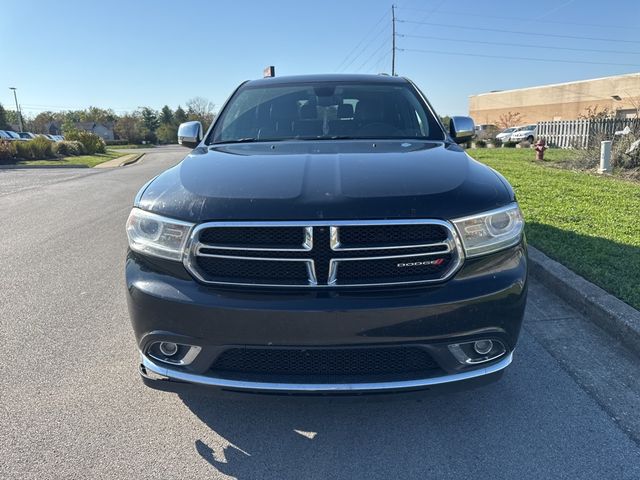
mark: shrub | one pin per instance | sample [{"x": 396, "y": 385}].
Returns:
[
  {"x": 481, "y": 144},
  {"x": 92, "y": 143},
  {"x": 41, "y": 147},
  {"x": 167, "y": 133},
  {"x": 79, "y": 147},
  {"x": 24, "y": 150},
  {"x": 117, "y": 142},
  {"x": 495, "y": 142},
  {"x": 67, "y": 147},
  {"x": 509, "y": 144},
  {"x": 7, "y": 151}
]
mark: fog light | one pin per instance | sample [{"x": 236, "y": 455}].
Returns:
[
  {"x": 482, "y": 347},
  {"x": 173, "y": 353},
  {"x": 168, "y": 349},
  {"x": 478, "y": 351}
]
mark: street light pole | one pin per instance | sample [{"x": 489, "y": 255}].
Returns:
[{"x": 15, "y": 97}]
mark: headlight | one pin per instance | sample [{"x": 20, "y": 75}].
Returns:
[
  {"x": 490, "y": 231},
  {"x": 156, "y": 235}
]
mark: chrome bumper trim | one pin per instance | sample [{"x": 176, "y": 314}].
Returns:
[{"x": 161, "y": 373}]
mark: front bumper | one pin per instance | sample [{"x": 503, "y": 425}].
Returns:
[
  {"x": 169, "y": 379},
  {"x": 485, "y": 299}
]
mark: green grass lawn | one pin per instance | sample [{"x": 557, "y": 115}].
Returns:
[
  {"x": 88, "y": 160},
  {"x": 587, "y": 222}
]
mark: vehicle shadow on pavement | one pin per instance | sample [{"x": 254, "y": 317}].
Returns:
[{"x": 533, "y": 423}]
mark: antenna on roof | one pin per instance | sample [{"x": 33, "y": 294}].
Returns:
[{"x": 269, "y": 71}]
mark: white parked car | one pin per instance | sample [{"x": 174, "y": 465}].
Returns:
[
  {"x": 505, "y": 135},
  {"x": 527, "y": 132}
]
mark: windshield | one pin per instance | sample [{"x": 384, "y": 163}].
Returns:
[{"x": 325, "y": 110}]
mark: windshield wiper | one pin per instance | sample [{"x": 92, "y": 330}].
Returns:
[
  {"x": 250, "y": 140},
  {"x": 238, "y": 140}
]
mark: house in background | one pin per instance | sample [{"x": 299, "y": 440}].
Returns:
[
  {"x": 105, "y": 131},
  {"x": 53, "y": 128},
  {"x": 619, "y": 95}
]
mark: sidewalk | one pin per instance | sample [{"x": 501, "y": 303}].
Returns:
[{"x": 121, "y": 161}]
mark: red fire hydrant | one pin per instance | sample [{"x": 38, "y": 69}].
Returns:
[{"x": 540, "y": 148}]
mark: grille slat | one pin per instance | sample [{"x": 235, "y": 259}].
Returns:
[
  {"x": 237, "y": 270},
  {"x": 374, "y": 236},
  {"x": 346, "y": 254},
  {"x": 358, "y": 361},
  {"x": 254, "y": 237}
]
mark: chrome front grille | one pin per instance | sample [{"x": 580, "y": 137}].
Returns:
[{"x": 324, "y": 254}]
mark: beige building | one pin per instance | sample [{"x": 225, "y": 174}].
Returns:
[{"x": 562, "y": 101}]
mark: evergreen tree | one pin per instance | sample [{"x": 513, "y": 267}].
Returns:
[
  {"x": 3, "y": 118},
  {"x": 166, "y": 115}
]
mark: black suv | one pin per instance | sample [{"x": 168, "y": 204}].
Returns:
[{"x": 326, "y": 235}]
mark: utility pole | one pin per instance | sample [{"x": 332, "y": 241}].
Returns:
[
  {"x": 15, "y": 97},
  {"x": 393, "y": 40}
]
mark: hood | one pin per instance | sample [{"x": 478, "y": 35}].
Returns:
[{"x": 315, "y": 180}]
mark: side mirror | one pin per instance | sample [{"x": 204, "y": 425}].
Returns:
[
  {"x": 462, "y": 129},
  {"x": 190, "y": 134}
]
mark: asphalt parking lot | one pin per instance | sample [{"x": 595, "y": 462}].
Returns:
[{"x": 72, "y": 405}]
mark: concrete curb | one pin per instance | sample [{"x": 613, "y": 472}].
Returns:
[
  {"x": 121, "y": 161},
  {"x": 613, "y": 315},
  {"x": 133, "y": 160}
]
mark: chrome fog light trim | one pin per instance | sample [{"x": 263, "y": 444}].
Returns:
[
  {"x": 183, "y": 355},
  {"x": 477, "y": 351}
]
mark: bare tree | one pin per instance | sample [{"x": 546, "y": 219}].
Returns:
[
  {"x": 594, "y": 112},
  {"x": 201, "y": 109},
  {"x": 509, "y": 119}
]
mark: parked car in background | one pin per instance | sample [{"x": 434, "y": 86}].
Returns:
[
  {"x": 53, "y": 138},
  {"x": 485, "y": 131},
  {"x": 505, "y": 135},
  {"x": 5, "y": 136},
  {"x": 27, "y": 135},
  {"x": 13, "y": 135},
  {"x": 527, "y": 132}
]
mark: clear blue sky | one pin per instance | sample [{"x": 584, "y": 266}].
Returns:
[{"x": 125, "y": 54}]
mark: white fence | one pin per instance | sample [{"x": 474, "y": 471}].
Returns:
[{"x": 583, "y": 133}]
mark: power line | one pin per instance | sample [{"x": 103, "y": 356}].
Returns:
[
  {"x": 361, "y": 41},
  {"x": 380, "y": 60},
  {"x": 429, "y": 12},
  {"x": 380, "y": 34},
  {"x": 534, "y": 59},
  {"x": 520, "y": 19},
  {"x": 510, "y": 44},
  {"x": 546, "y": 13},
  {"x": 384, "y": 42},
  {"x": 519, "y": 32}
]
